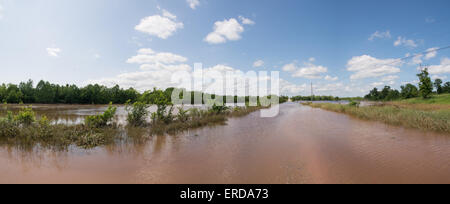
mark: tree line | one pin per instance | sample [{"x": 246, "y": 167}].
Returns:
[
  {"x": 425, "y": 89},
  {"x": 47, "y": 93}
]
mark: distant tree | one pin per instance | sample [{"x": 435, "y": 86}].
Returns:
[
  {"x": 3, "y": 93},
  {"x": 385, "y": 92},
  {"x": 438, "y": 86},
  {"x": 446, "y": 87},
  {"x": 28, "y": 91},
  {"x": 425, "y": 84},
  {"x": 14, "y": 95},
  {"x": 374, "y": 95},
  {"x": 409, "y": 91},
  {"x": 44, "y": 92}
]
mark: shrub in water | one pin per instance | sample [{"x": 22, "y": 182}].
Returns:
[
  {"x": 137, "y": 114},
  {"x": 26, "y": 116},
  {"x": 182, "y": 115},
  {"x": 101, "y": 120}
]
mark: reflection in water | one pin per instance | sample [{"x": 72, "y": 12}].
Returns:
[{"x": 301, "y": 145}]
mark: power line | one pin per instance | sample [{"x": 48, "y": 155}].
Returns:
[{"x": 415, "y": 55}]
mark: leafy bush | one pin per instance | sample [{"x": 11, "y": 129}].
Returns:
[
  {"x": 182, "y": 115},
  {"x": 219, "y": 109},
  {"x": 26, "y": 116},
  {"x": 354, "y": 104},
  {"x": 137, "y": 114},
  {"x": 101, "y": 120}
]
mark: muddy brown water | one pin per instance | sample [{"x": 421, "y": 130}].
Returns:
[{"x": 301, "y": 145}]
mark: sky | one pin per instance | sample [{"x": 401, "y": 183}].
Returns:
[{"x": 345, "y": 48}]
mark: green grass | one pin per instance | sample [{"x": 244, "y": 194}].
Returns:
[
  {"x": 435, "y": 99},
  {"x": 435, "y": 120}
]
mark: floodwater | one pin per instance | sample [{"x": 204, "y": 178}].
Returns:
[
  {"x": 301, "y": 145},
  {"x": 76, "y": 114}
]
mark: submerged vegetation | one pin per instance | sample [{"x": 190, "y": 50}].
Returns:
[{"x": 24, "y": 130}]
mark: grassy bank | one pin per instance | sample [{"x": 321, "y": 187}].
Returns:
[{"x": 409, "y": 113}]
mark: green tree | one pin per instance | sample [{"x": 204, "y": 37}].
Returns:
[
  {"x": 373, "y": 95},
  {"x": 446, "y": 87},
  {"x": 44, "y": 92},
  {"x": 438, "y": 86},
  {"x": 409, "y": 91},
  {"x": 425, "y": 84},
  {"x": 27, "y": 90}
]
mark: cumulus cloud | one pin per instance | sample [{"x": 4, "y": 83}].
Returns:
[
  {"x": 246, "y": 21},
  {"x": 289, "y": 67},
  {"x": 366, "y": 66},
  {"x": 161, "y": 26},
  {"x": 53, "y": 51},
  {"x": 417, "y": 59},
  {"x": 193, "y": 3},
  {"x": 443, "y": 68},
  {"x": 378, "y": 34},
  {"x": 226, "y": 30},
  {"x": 377, "y": 84},
  {"x": 291, "y": 89},
  {"x": 330, "y": 78},
  {"x": 258, "y": 63},
  {"x": 389, "y": 78},
  {"x": 148, "y": 56},
  {"x": 442, "y": 77},
  {"x": 308, "y": 70},
  {"x": 401, "y": 41},
  {"x": 431, "y": 53}
]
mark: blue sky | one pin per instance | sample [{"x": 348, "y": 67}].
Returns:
[{"x": 345, "y": 47}]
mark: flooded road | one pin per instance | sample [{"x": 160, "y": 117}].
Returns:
[{"x": 301, "y": 145}]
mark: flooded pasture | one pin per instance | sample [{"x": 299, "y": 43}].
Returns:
[{"x": 300, "y": 145}]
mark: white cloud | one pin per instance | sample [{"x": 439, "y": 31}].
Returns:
[
  {"x": 246, "y": 21},
  {"x": 258, "y": 63},
  {"x": 312, "y": 59},
  {"x": 53, "y": 51},
  {"x": 160, "y": 26},
  {"x": 431, "y": 53},
  {"x": 310, "y": 71},
  {"x": 145, "y": 56},
  {"x": 168, "y": 14},
  {"x": 290, "y": 89},
  {"x": 378, "y": 34},
  {"x": 401, "y": 41},
  {"x": 193, "y": 3},
  {"x": 330, "y": 78},
  {"x": 444, "y": 67},
  {"x": 417, "y": 59},
  {"x": 97, "y": 56},
  {"x": 442, "y": 77},
  {"x": 377, "y": 84},
  {"x": 225, "y": 30},
  {"x": 366, "y": 66},
  {"x": 389, "y": 78},
  {"x": 289, "y": 67},
  {"x": 146, "y": 51}
]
